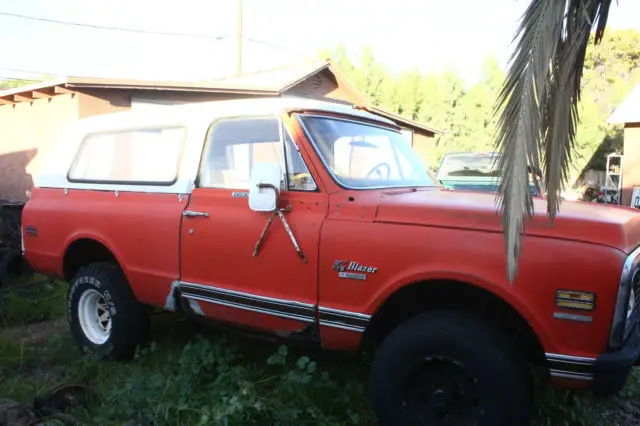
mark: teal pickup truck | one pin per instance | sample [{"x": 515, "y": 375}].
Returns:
[{"x": 476, "y": 171}]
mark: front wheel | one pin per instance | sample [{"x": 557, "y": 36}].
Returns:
[
  {"x": 104, "y": 316},
  {"x": 448, "y": 368}
]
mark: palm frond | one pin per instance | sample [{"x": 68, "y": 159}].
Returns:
[{"x": 540, "y": 107}]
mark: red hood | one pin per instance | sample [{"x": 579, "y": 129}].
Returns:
[{"x": 612, "y": 226}]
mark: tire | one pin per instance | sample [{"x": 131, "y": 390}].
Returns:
[
  {"x": 103, "y": 288},
  {"x": 461, "y": 352}
]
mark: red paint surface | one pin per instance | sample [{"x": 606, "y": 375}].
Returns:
[
  {"x": 218, "y": 250},
  {"x": 140, "y": 229}
]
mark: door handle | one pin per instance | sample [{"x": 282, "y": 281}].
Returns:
[{"x": 191, "y": 213}]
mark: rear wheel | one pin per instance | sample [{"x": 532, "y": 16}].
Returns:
[
  {"x": 104, "y": 316},
  {"x": 448, "y": 368}
]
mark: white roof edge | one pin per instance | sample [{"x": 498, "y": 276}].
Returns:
[
  {"x": 216, "y": 109},
  {"x": 629, "y": 109}
]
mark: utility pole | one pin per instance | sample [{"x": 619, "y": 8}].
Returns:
[{"x": 239, "y": 39}]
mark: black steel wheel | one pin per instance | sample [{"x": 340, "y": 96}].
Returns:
[
  {"x": 440, "y": 391},
  {"x": 449, "y": 368}
]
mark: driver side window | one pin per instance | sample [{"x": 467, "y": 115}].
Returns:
[{"x": 235, "y": 145}]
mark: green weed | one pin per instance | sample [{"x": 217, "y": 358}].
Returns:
[
  {"x": 192, "y": 376},
  {"x": 31, "y": 300},
  {"x": 12, "y": 352}
]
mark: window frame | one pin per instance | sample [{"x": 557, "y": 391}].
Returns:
[
  {"x": 204, "y": 157},
  {"x": 316, "y": 188},
  {"x": 83, "y": 143}
]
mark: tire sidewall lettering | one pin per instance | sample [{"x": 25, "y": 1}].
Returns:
[{"x": 78, "y": 287}]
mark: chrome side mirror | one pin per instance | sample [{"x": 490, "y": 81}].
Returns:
[{"x": 264, "y": 191}]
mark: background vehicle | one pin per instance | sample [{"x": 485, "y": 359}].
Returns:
[{"x": 476, "y": 171}]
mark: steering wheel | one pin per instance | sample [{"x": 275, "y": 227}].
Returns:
[{"x": 380, "y": 166}]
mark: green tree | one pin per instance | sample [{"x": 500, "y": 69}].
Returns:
[
  {"x": 409, "y": 95},
  {"x": 476, "y": 119},
  {"x": 611, "y": 70}
]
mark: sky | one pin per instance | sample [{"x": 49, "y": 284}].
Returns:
[{"x": 426, "y": 34}]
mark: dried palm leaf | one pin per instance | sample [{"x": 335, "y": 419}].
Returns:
[{"x": 539, "y": 101}]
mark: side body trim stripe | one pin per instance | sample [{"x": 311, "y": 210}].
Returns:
[
  {"x": 570, "y": 367},
  {"x": 343, "y": 319},
  {"x": 265, "y": 305},
  {"x": 290, "y": 309}
]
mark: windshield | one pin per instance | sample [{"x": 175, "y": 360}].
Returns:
[{"x": 361, "y": 155}]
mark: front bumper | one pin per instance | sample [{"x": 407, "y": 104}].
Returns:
[
  {"x": 607, "y": 373},
  {"x": 611, "y": 368}
]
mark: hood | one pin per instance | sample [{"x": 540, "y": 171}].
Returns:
[{"x": 613, "y": 226}]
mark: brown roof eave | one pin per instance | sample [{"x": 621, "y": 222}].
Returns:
[
  {"x": 408, "y": 122},
  {"x": 300, "y": 79},
  {"x": 32, "y": 92}
]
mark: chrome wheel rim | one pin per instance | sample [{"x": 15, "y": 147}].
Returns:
[{"x": 94, "y": 317}]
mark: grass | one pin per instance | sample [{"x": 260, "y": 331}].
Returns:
[
  {"x": 194, "y": 375},
  {"x": 31, "y": 299}
]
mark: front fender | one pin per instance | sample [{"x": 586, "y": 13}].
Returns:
[{"x": 415, "y": 275}]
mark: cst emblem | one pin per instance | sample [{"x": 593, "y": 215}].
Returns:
[{"x": 353, "y": 270}]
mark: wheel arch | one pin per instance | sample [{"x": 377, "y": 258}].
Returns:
[
  {"x": 411, "y": 298},
  {"x": 85, "y": 249}
]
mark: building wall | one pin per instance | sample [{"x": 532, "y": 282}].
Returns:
[
  {"x": 27, "y": 130},
  {"x": 102, "y": 101},
  {"x": 630, "y": 161},
  {"x": 422, "y": 145},
  {"x": 169, "y": 98},
  {"x": 94, "y": 102}
]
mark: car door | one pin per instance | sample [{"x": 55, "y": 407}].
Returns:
[{"x": 223, "y": 275}]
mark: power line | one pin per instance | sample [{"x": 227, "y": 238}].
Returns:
[
  {"x": 266, "y": 43},
  {"x": 135, "y": 30},
  {"x": 239, "y": 40},
  {"x": 53, "y": 74},
  {"x": 113, "y": 28},
  {"x": 47, "y": 75}
]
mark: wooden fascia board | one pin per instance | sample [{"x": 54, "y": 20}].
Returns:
[
  {"x": 38, "y": 94},
  {"x": 20, "y": 98}
]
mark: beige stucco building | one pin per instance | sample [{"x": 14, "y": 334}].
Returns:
[
  {"x": 628, "y": 113},
  {"x": 33, "y": 117}
]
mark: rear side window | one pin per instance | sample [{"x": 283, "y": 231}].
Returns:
[{"x": 140, "y": 156}]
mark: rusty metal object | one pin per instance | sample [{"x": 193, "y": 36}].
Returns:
[
  {"x": 15, "y": 414},
  {"x": 49, "y": 409},
  {"x": 280, "y": 214},
  {"x": 63, "y": 398},
  {"x": 264, "y": 233},
  {"x": 263, "y": 185},
  {"x": 11, "y": 238},
  {"x": 291, "y": 236}
]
